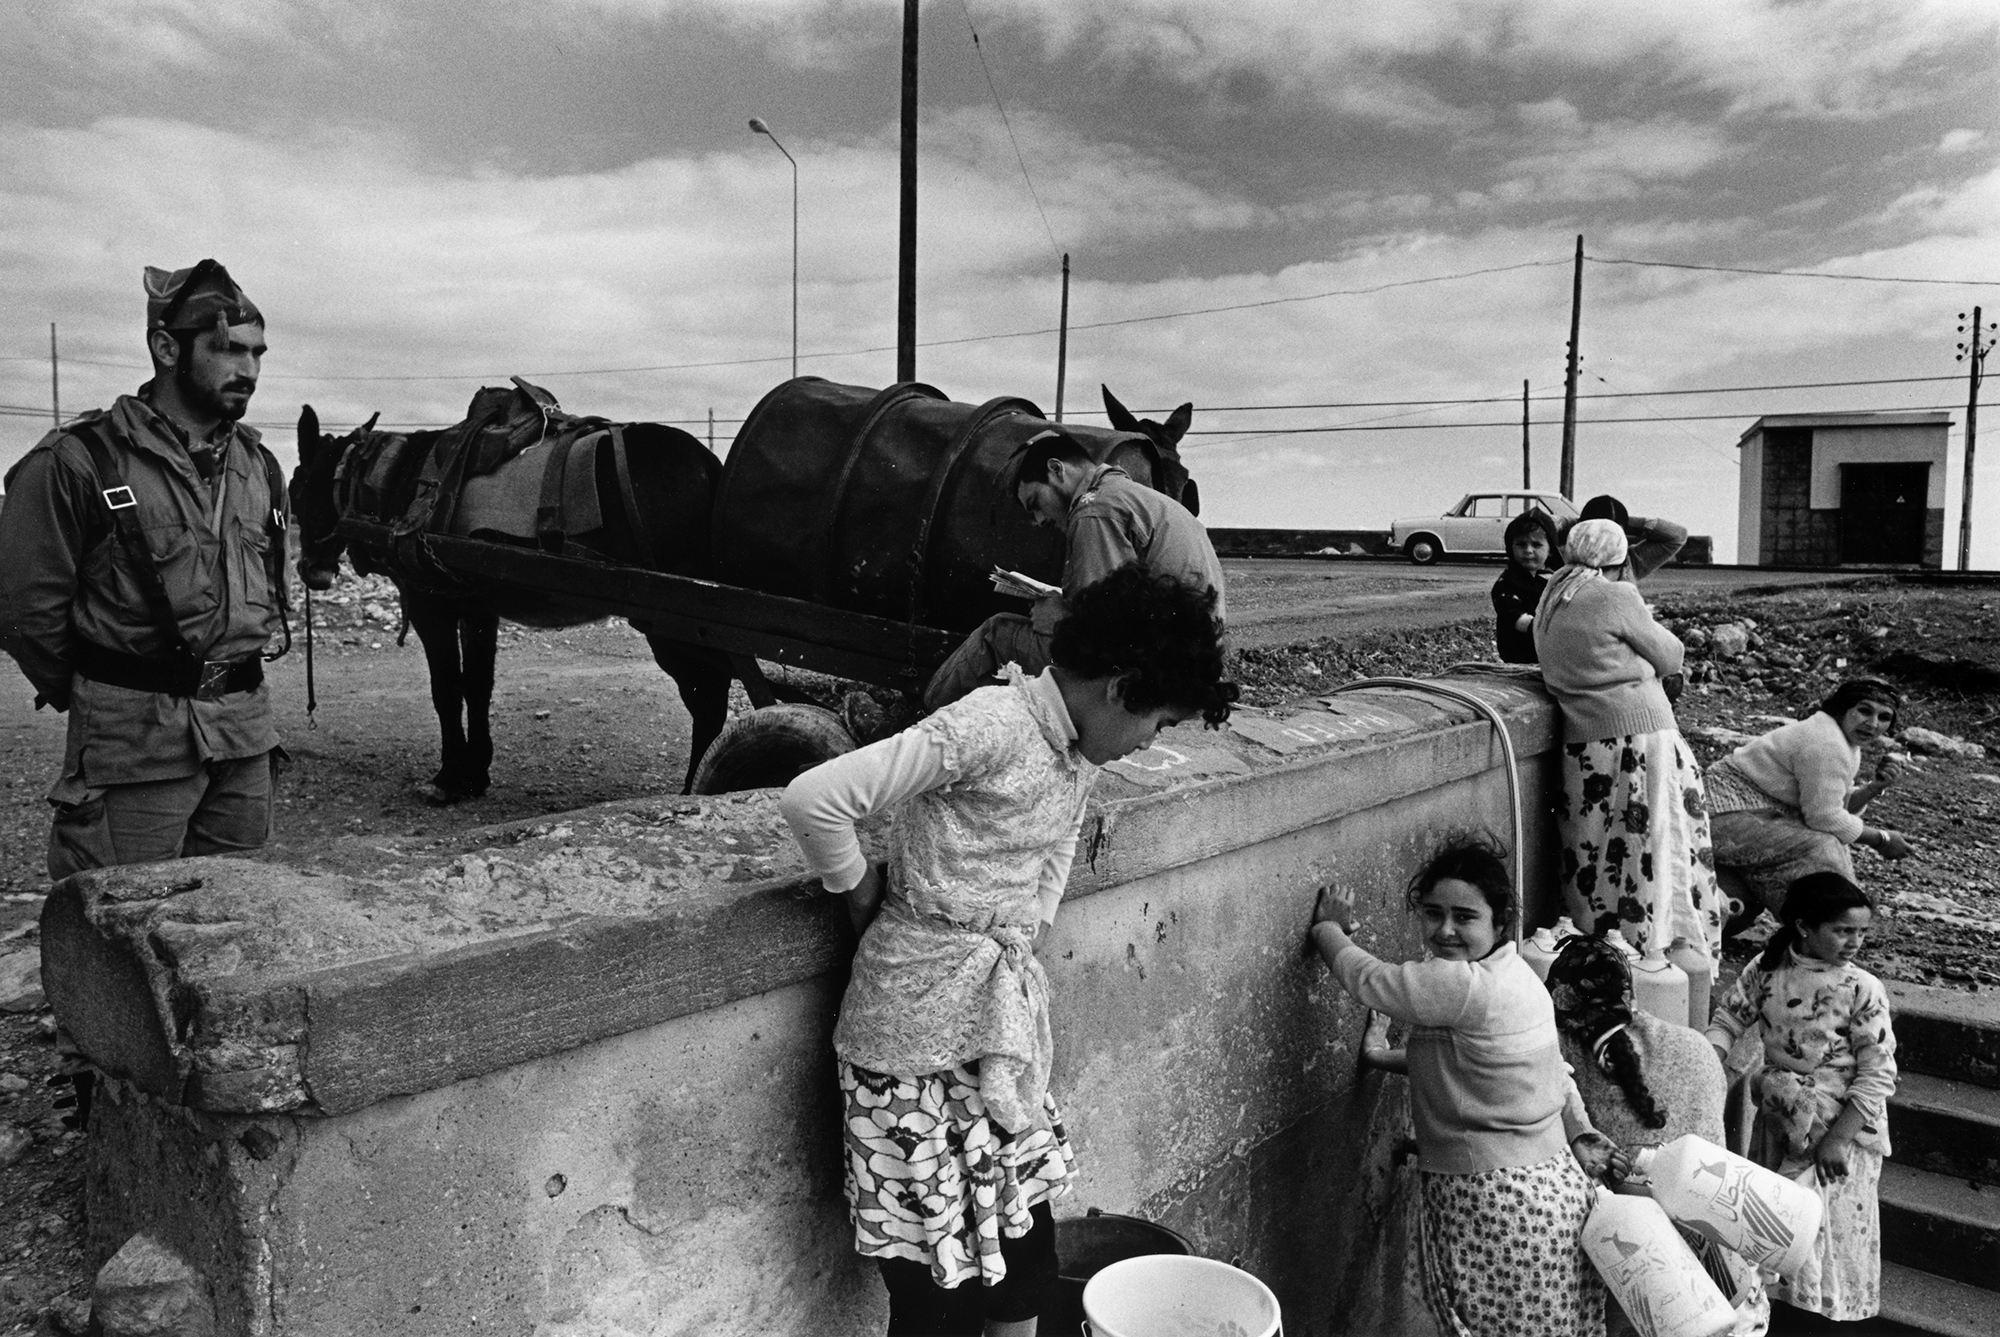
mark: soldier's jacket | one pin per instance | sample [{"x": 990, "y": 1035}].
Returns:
[{"x": 65, "y": 578}]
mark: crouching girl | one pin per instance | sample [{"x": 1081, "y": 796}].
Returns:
[
  {"x": 954, "y": 1143},
  {"x": 1505, "y": 1149}
]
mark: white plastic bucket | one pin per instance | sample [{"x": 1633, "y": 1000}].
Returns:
[{"x": 1164, "y": 1295}]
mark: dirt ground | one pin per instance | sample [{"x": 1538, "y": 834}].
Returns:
[{"x": 584, "y": 716}]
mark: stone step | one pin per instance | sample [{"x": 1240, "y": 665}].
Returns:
[
  {"x": 1914, "y": 1302},
  {"x": 1946, "y": 1033},
  {"x": 1946, "y": 1127},
  {"x": 1941, "y": 1224}
]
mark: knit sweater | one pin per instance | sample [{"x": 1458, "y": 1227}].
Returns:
[
  {"x": 1488, "y": 1088},
  {"x": 1603, "y": 656},
  {"x": 1679, "y": 1068},
  {"x": 1807, "y": 766}
]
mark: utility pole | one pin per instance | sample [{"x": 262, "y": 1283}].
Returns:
[
  {"x": 1973, "y": 353},
  {"x": 1527, "y": 473},
  {"x": 55, "y": 378},
  {"x": 711, "y": 431},
  {"x": 906, "y": 255},
  {"x": 1062, "y": 339},
  {"x": 1568, "y": 483}
]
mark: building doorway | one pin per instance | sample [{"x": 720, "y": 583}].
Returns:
[{"x": 1882, "y": 510}]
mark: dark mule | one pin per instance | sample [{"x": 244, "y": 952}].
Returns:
[
  {"x": 673, "y": 480},
  {"x": 1163, "y": 470}
]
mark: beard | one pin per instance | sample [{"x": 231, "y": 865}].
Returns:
[{"x": 228, "y": 401}]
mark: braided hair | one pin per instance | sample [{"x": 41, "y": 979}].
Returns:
[{"x": 1592, "y": 989}]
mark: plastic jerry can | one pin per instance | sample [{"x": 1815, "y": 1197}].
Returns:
[
  {"x": 1616, "y": 939},
  {"x": 1565, "y": 928},
  {"x": 1700, "y": 970},
  {"x": 1539, "y": 951},
  {"x": 1660, "y": 987},
  {"x": 1769, "y": 1219},
  {"x": 1651, "y": 1272}
]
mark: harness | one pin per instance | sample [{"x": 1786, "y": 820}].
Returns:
[{"x": 180, "y": 672}]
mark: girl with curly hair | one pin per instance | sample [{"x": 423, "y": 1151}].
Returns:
[
  {"x": 954, "y": 1143},
  {"x": 1504, "y": 1145},
  {"x": 1632, "y": 813}
]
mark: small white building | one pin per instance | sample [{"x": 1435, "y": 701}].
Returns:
[{"x": 1843, "y": 489}]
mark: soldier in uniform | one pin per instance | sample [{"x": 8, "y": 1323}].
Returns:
[{"x": 142, "y": 577}]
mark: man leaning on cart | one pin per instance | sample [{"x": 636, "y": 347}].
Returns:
[{"x": 1108, "y": 521}]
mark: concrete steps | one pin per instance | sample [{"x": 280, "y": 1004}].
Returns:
[
  {"x": 1914, "y": 1302},
  {"x": 1946, "y": 1127},
  {"x": 1946, "y": 1226},
  {"x": 1940, "y": 1192}
]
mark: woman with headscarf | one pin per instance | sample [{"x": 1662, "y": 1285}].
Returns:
[
  {"x": 1644, "y": 1082},
  {"x": 1632, "y": 812},
  {"x": 1786, "y": 804}
]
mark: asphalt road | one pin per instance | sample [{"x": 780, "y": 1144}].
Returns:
[{"x": 1278, "y": 600}]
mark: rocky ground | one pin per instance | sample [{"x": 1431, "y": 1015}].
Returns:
[{"x": 583, "y": 716}]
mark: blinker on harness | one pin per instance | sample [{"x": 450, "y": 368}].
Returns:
[{"x": 181, "y": 672}]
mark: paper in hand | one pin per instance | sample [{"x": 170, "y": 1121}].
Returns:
[{"x": 1021, "y": 586}]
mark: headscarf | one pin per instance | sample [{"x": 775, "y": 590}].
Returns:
[
  {"x": 1592, "y": 546},
  {"x": 1591, "y": 986},
  {"x": 196, "y": 298}
]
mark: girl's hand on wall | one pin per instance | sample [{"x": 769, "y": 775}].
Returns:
[{"x": 1334, "y": 907}]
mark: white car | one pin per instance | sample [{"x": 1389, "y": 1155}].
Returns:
[{"x": 1475, "y": 527}]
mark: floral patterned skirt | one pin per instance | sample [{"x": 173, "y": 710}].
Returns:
[
  {"x": 1636, "y": 851},
  {"x": 1502, "y": 1252},
  {"x": 931, "y": 1178}
]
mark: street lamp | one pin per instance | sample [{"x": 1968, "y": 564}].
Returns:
[{"x": 758, "y": 125}]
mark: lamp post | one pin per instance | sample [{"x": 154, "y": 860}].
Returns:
[{"x": 758, "y": 125}]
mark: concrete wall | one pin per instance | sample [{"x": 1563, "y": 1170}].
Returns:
[
  {"x": 1750, "y": 501},
  {"x": 1835, "y": 446},
  {"x": 594, "y": 1175}
]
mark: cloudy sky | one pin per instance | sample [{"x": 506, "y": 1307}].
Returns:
[{"x": 1265, "y": 201}]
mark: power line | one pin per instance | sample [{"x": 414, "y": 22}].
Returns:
[
  {"x": 1791, "y": 273},
  {"x": 1514, "y": 422},
  {"x": 1001, "y": 107}
]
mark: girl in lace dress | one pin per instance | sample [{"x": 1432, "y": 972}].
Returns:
[
  {"x": 1823, "y": 1094},
  {"x": 954, "y": 1144}
]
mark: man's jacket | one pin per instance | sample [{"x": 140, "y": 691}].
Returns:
[
  {"x": 1115, "y": 521},
  {"x": 65, "y": 579}
]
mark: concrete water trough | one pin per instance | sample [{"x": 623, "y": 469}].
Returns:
[{"x": 572, "y": 1075}]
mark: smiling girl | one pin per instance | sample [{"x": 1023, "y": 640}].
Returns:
[
  {"x": 1823, "y": 1095},
  {"x": 1505, "y": 1148},
  {"x": 1786, "y": 804},
  {"x": 954, "y": 1144}
]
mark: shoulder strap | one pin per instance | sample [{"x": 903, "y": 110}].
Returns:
[{"x": 123, "y": 509}]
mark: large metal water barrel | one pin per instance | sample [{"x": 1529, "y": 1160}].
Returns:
[{"x": 888, "y": 501}]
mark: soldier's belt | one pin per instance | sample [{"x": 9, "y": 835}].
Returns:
[{"x": 202, "y": 679}]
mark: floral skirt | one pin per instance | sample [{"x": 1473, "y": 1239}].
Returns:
[
  {"x": 1636, "y": 853},
  {"x": 1843, "y": 1280},
  {"x": 1501, "y": 1252},
  {"x": 932, "y": 1179}
]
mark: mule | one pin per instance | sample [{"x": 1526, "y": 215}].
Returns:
[
  {"x": 1161, "y": 468},
  {"x": 673, "y": 478}
]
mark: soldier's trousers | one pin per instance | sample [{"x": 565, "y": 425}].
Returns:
[{"x": 223, "y": 808}]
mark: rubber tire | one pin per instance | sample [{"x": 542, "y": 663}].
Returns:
[
  {"x": 1423, "y": 549},
  {"x": 769, "y": 748}
]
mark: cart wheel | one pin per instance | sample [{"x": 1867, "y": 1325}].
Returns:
[{"x": 768, "y": 748}]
